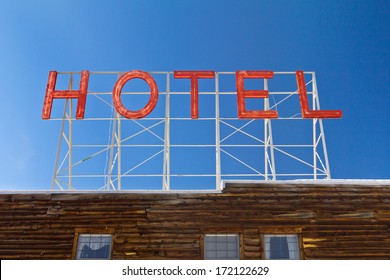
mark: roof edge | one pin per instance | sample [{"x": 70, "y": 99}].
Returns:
[
  {"x": 303, "y": 182},
  {"x": 224, "y": 184}
]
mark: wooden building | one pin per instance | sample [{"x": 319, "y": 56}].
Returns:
[{"x": 258, "y": 220}]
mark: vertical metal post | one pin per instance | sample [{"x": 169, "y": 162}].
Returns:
[
  {"x": 217, "y": 136},
  {"x": 166, "y": 163},
  {"x": 265, "y": 142},
  {"x": 271, "y": 141},
  {"x": 119, "y": 151},
  {"x": 70, "y": 135},
  {"x": 54, "y": 181},
  {"x": 322, "y": 133},
  {"x": 112, "y": 149},
  {"x": 314, "y": 107},
  {"x": 266, "y": 106},
  {"x": 268, "y": 141}
]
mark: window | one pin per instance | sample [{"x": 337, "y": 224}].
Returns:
[
  {"x": 281, "y": 247},
  {"x": 221, "y": 247},
  {"x": 93, "y": 246}
]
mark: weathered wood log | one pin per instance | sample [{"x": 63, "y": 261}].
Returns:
[{"x": 332, "y": 221}]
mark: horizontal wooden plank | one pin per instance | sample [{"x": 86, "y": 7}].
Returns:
[{"x": 333, "y": 221}]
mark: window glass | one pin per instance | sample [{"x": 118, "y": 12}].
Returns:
[
  {"x": 94, "y": 246},
  {"x": 281, "y": 246},
  {"x": 221, "y": 247}
]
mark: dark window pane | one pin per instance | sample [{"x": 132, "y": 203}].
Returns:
[
  {"x": 101, "y": 253},
  {"x": 94, "y": 246},
  {"x": 221, "y": 247},
  {"x": 279, "y": 248}
]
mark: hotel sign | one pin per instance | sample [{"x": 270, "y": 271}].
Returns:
[
  {"x": 193, "y": 76},
  {"x": 138, "y": 131}
]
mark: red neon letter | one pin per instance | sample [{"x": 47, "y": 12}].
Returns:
[
  {"x": 242, "y": 94},
  {"x": 116, "y": 94},
  {"x": 194, "y": 76},
  {"x": 306, "y": 112},
  {"x": 51, "y": 93}
]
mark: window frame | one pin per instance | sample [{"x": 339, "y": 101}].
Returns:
[
  {"x": 91, "y": 231},
  {"x": 238, "y": 238},
  {"x": 286, "y": 234}
]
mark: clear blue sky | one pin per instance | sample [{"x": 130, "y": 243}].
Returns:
[{"x": 347, "y": 44}]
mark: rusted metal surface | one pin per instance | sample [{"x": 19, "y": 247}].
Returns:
[
  {"x": 194, "y": 76},
  {"x": 306, "y": 112},
  {"x": 116, "y": 95},
  {"x": 52, "y": 93},
  {"x": 242, "y": 94}
]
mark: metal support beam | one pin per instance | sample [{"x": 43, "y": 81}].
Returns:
[
  {"x": 167, "y": 133},
  {"x": 217, "y": 137},
  {"x": 124, "y": 135}
]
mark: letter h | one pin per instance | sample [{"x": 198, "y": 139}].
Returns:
[{"x": 80, "y": 94}]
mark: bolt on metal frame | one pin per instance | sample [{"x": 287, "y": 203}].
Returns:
[{"x": 64, "y": 165}]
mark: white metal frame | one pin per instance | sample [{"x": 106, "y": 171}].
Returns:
[{"x": 117, "y": 168}]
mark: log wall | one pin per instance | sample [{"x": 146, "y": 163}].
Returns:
[{"x": 332, "y": 221}]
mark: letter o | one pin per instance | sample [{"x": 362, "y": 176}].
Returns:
[{"x": 116, "y": 95}]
